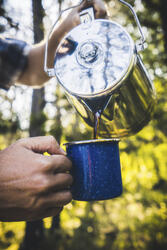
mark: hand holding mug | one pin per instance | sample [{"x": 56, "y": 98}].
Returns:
[{"x": 33, "y": 185}]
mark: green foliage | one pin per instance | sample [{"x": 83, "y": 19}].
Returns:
[
  {"x": 137, "y": 219},
  {"x": 11, "y": 235},
  {"x": 8, "y": 126}
]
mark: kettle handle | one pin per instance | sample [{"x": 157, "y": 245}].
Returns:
[
  {"x": 87, "y": 16},
  {"x": 140, "y": 45}
]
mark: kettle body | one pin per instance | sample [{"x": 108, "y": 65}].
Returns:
[
  {"x": 98, "y": 66},
  {"x": 128, "y": 109}
]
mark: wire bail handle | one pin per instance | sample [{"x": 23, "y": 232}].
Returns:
[
  {"x": 86, "y": 16},
  {"x": 140, "y": 45}
]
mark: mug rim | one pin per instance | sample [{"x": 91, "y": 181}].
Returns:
[{"x": 90, "y": 141}]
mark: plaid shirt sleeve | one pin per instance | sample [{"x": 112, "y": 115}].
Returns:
[{"x": 13, "y": 61}]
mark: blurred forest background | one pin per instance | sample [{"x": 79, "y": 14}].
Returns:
[{"x": 137, "y": 219}]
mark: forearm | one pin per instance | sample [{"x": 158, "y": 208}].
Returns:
[{"x": 34, "y": 75}]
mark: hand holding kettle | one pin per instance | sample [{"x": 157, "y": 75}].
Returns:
[
  {"x": 34, "y": 74},
  {"x": 73, "y": 18}
]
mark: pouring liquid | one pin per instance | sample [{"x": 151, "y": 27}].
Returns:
[
  {"x": 97, "y": 106},
  {"x": 97, "y": 117}
]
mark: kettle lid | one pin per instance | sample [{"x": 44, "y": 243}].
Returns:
[{"x": 93, "y": 58}]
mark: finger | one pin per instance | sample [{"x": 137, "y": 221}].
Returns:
[
  {"x": 93, "y": 3},
  {"x": 49, "y": 212},
  {"x": 57, "y": 164},
  {"x": 57, "y": 199},
  {"x": 53, "y": 211},
  {"x": 42, "y": 144},
  {"x": 86, "y": 4},
  {"x": 100, "y": 9},
  {"x": 46, "y": 184},
  {"x": 60, "y": 181}
]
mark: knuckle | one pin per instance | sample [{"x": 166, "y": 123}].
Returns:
[
  {"x": 21, "y": 141},
  {"x": 67, "y": 162},
  {"x": 60, "y": 163},
  {"x": 38, "y": 205},
  {"x": 67, "y": 198},
  {"x": 69, "y": 179},
  {"x": 31, "y": 204},
  {"x": 102, "y": 13},
  {"x": 65, "y": 179},
  {"x": 45, "y": 163},
  {"x": 63, "y": 198},
  {"x": 51, "y": 139},
  {"x": 64, "y": 161},
  {"x": 42, "y": 184}
]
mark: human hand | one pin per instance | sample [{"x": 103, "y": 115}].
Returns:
[
  {"x": 98, "y": 6},
  {"x": 73, "y": 18},
  {"x": 33, "y": 185}
]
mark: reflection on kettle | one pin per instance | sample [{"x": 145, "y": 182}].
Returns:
[{"x": 101, "y": 71}]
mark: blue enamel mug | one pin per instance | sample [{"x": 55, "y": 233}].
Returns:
[{"x": 96, "y": 169}]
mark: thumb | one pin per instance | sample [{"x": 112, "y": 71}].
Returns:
[{"x": 42, "y": 144}]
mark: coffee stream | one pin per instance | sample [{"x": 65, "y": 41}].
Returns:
[
  {"x": 97, "y": 116},
  {"x": 97, "y": 106}
]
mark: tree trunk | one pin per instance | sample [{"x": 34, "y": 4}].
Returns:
[
  {"x": 34, "y": 233},
  {"x": 161, "y": 7},
  {"x": 163, "y": 11},
  {"x": 56, "y": 219}
]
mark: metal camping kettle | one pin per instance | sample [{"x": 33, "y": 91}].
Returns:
[{"x": 98, "y": 65}]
